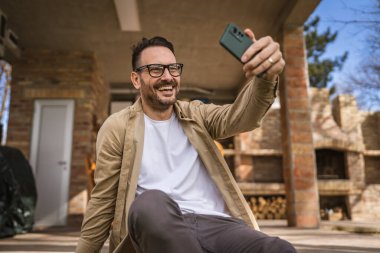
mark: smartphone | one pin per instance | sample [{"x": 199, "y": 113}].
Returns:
[{"x": 235, "y": 41}]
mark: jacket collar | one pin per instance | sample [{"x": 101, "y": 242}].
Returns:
[
  {"x": 137, "y": 106},
  {"x": 178, "y": 110},
  {"x": 181, "y": 114}
]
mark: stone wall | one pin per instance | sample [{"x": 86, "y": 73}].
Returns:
[
  {"x": 366, "y": 206},
  {"x": 372, "y": 169},
  {"x": 267, "y": 169},
  {"x": 256, "y": 163},
  {"x": 371, "y": 130},
  {"x": 268, "y": 136},
  {"x": 46, "y": 74}
]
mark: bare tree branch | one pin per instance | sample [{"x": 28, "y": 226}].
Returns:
[{"x": 365, "y": 82}]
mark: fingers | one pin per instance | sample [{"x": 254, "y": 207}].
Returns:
[
  {"x": 275, "y": 70},
  {"x": 267, "y": 51},
  {"x": 250, "y": 34},
  {"x": 263, "y": 56},
  {"x": 270, "y": 69},
  {"x": 257, "y": 46}
]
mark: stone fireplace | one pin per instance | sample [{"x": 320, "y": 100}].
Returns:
[{"x": 347, "y": 157}]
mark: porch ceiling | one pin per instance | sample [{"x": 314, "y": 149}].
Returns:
[{"x": 193, "y": 26}]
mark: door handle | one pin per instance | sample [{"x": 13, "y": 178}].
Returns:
[{"x": 62, "y": 163}]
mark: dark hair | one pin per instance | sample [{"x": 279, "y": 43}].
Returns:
[{"x": 145, "y": 43}]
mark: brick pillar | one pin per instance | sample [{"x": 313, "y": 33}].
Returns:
[{"x": 297, "y": 141}]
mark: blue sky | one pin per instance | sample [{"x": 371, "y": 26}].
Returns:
[{"x": 351, "y": 37}]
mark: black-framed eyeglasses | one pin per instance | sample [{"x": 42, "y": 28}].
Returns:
[{"x": 157, "y": 70}]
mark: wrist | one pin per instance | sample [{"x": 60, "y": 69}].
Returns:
[{"x": 269, "y": 78}]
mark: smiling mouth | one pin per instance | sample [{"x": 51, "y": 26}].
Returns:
[{"x": 166, "y": 88}]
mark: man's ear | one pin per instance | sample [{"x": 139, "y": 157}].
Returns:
[{"x": 135, "y": 80}]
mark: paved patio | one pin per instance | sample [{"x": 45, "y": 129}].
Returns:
[
  {"x": 324, "y": 240},
  {"x": 328, "y": 239}
]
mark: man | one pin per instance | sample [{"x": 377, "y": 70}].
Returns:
[{"x": 160, "y": 179}]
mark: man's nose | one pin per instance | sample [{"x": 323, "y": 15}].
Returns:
[{"x": 166, "y": 75}]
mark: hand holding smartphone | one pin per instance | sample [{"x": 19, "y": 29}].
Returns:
[
  {"x": 270, "y": 63},
  {"x": 235, "y": 41}
]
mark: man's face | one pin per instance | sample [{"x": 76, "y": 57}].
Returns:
[{"x": 159, "y": 93}]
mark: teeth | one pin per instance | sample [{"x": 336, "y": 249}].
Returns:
[{"x": 165, "y": 88}]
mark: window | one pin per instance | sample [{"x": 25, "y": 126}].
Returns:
[{"x": 5, "y": 95}]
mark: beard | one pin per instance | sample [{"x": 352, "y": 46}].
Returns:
[{"x": 154, "y": 99}]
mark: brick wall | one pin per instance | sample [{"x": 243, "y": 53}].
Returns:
[{"x": 46, "y": 74}]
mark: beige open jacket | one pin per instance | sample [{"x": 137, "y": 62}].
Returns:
[{"x": 119, "y": 150}]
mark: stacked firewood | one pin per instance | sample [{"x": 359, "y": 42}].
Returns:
[{"x": 272, "y": 207}]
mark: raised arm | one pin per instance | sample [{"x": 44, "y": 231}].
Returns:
[{"x": 263, "y": 63}]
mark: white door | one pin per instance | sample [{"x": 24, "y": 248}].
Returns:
[{"x": 50, "y": 158}]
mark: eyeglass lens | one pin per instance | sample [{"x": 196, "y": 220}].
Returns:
[{"x": 157, "y": 70}]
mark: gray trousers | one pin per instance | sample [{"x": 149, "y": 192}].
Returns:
[{"x": 156, "y": 225}]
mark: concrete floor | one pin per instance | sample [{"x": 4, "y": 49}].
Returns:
[
  {"x": 323, "y": 240},
  {"x": 327, "y": 239}
]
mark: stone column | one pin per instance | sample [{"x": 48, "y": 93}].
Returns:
[
  {"x": 347, "y": 115},
  {"x": 297, "y": 141}
]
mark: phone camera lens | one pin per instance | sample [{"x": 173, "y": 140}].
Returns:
[{"x": 235, "y": 30}]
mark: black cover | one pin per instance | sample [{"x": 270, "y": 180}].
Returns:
[{"x": 18, "y": 194}]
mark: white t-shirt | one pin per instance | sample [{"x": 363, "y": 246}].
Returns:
[{"x": 171, "y": 164}]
